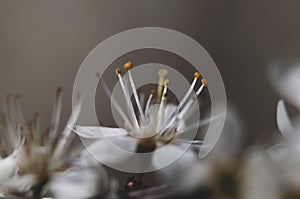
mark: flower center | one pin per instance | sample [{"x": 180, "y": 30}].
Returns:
[{"x": 160, "y": 118}]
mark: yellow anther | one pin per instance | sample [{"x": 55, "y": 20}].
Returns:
[
  {"x": 162, "y": 73},
  {"x": 204, "y": 82},
  {"x": 196, "y": 74},
  {"x": 118, "y": 71},
  {"x": 128, "y": 65}
]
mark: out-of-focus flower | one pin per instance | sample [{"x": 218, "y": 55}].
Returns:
[
  {"x": 231, "y": 171},
  {"x": 248, "y": 175},
  {"x": 286, "y": 153},
  {"x": 285, "y": 77},
  {"x": 10, "y": 139},
  {"x": 42, "y": 158}
]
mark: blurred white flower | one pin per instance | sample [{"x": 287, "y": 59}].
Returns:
[
  {"x": 260, "y": 179},
  {"x": 11, "y": 139},
  {"x": 218, "y": 174},
  {"x": 285, "y": 76},
  {"x": 39, "y": 159}
]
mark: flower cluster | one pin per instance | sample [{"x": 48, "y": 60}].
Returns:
[
  {"x": 32, "y": 160},
  {"x": 34, "y": 164}
]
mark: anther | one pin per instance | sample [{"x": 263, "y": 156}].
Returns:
[
  {"x": 118, "y": 71},
  {"x": 128, "y": 65},
  {"x": 196, "y": 74},
  {"x": 204, "y": 82}
]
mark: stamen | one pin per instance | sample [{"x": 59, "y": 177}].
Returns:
[
  {"x": 196, "y": 76},
  {"x": 187, "y": 107},
  {"x": 19, "y": 111},
  {"x": 193, "y": 99},
  {"x": 166, "y": 82},
  {"x": 36, "y": 129},
  {"x": 161, "y": 73},
  {"x": 56, "y": 112},
  {"x": 128, "y": 66},
  {"x": 115, "y": 104},
  {"x": 170, "y": 120},
  {"x": 66, "y": 136},
  {"x": 142, "y": 98},
  {"x": 149, "y": 102},
  {"x": 161, "y": 106},
  {"x": 204, "y": 84},
  {"x": 13, "y": 120},
  {"x": 129, "y": 104}
]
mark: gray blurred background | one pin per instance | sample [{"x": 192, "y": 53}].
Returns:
[{"x": 42, "y": 44}]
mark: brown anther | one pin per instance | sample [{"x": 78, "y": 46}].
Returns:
[
  {"x": 128, "y": 65},
  {"x": 196, "y": 74},
  {"x": 152, "y": 92},
  {"x": 118, "y": 71},
  {"x": 204, "y": 82}
]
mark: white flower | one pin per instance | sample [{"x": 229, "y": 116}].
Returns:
[
  {"x": 260, "y": 178},
  {"x": 158, "y": 124},
  {"x": 285, "y": 77},
  {"x": 40, "y": 158},
  {"x": 11, "y": 138},
  {"x": 224, "y": 160}
]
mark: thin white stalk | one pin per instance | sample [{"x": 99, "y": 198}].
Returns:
[
  {"x": 138, "y": 103},
  {"x": 129, "y": 105}
]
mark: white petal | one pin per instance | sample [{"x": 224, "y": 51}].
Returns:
[
  {"x": 78, "y": 183},
  {"x": 278, "y": 152},
  {"x": 97, "y": 132},
  {"x": 261, "y": 177},
  {"x": 174, "y": 161},
  {"x": 20, "y": 184},
  {"x": 168, "y": 110},
  {"x": 227, "y": 143},
  {"x": 171, "y": 153},
  {"x": 193, "y": 144},
  {"x": 285, "y": 76},
  {"x": 112, "y": 151},
  {"x": 283, "y": 121},
  {"x": 8, "y": 167},
  {"x": 195, "y": 125},
  {"x": 196, "y": 175}
]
